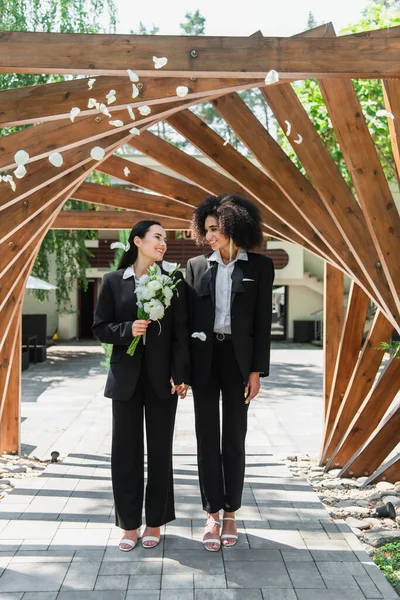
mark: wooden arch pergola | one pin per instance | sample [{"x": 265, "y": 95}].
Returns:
[{"x": 357, "y": 236}]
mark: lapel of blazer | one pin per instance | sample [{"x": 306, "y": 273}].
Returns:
[
  {"x": 237, "y": 278},
  {"x": 128, "y": 292},
  {"x": 207, "y": 282}
]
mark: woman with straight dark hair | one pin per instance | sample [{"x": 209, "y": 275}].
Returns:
[
  {"x": 230, "y": 313},
  {"x": 143, "y": 385}
]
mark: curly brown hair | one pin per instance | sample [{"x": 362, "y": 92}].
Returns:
[{"x": 238, "y": 219}]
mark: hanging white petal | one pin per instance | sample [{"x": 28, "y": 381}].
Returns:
[
  {"x": 21, "y": 157},
  {"x": 92, "y": 103},
  {"x": 199, "y": 335},
  {"x": 97, "y": 153},
  {"x": 20, "y": 171},
  {"x": 272, "y": 77},
  {"x": 91, "y": 83},
  {"x": 299, "y": 139},
  {"x": 130, "y": 111},
  {"x": 103, "y": 109},
  {"x": 144, "y": 110},
  {"x": 74, "y": 112},
  {"x": 56, "y": 159},
  {"x": 169, "y": 267},
  {"x": 134, "y": 131},
  {"x": 132, "y": 76},
  {"x": 10, "y": 180},
  {"x": 135, "y": 91},
  {"x": 182, "y": 91},
  {"x": 384, "y": 113},
  {"x": 116, "y": 123},
  {"x": 111, "y": 96},
  {"x": 159, "y": 63},
  {"x": 288, "y": 128},
  {"x": 126, "y": 171},
  {"x": 124, "y": 247}
]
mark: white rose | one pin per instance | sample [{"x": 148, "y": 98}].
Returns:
[
  {"x": 154, "y": 285},
  {"x": 168, "y": 293},
  {"x": 143, "y": 279},
  {"x": 154, "y": 309},
  {"x": 145, "y": 293}
]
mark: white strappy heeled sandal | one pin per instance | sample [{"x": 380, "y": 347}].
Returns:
[
  {"x": 128, "y": 542},
  {"x": 212, "y": 540},
  {"x": 150, "y": 538},
  {"x": 226, "y": 536}
]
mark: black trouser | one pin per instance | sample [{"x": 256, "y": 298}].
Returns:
[
  {"x": 127, "y": 456},
  {"x": 221, "y": 467}
]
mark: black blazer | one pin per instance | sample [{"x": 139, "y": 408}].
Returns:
[
  {"x": 251, "y": 313},
  {"x": 167, "y": 353}
]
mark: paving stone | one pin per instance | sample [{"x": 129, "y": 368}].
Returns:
[
  {"x": 34, "y": 596},
  {"x": 304, "y": 575},
  {"x": 42, "y": 556},
  {"x": 33, "y": 577},
  {"x": 211, "y": 581},
  {"x": 131, "y": 568},
  {"x": 29, "y": 530},
  {"x": 269, "y": 575},
  {"x": 177, "y": 581},
  {"x": 112, "y": 582},
  {"x": 93, "y": 595},
  {"x": 381, "y": 582},
  {"x": 236, "y": 554},
  {"x": 247, "y": 594},
  {"x": 192, "y": 561},
  {"x": 113, "y": 554},
  {"x": 296, "y": 555},
  {"x": 143, "y": 595},
  {"x": 177, "y": 595},
  {"x": 144, "y": 582},
  {"x": 329, "y": 594},
  {"x": 12, "y": 596},
  {"x": 89, "y": 538},
  {"x": 279, "y": 594},
  {"x": 81, "y": 576},
  {"x": 367, "y": 586}
]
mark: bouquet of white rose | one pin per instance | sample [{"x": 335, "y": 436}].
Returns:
[{"x": 154, "y": 293}]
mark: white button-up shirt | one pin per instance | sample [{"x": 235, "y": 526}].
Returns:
[{"x": 223, "y": 290}]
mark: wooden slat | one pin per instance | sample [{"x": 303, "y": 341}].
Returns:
[
  {"x": 132, "y": 200},
  {"x": 349, "y": 350},
  {"x": 105, "y": 219},
  {"x": 248, "y": 175},
  {"x": 40, "y": 140},
  {"x": 333, "y": 190},
  {"x": 189, "y": 167},
  {"x": 110, "y": 54},
  {"x": 377, "y": 448},
  {"x": 333, "y": 325},
  {"x": 389, "y": 471},
  {"x": 52, "y": 101},
  {"x": 10, "y": 392},
  {"x": 361, "y": 382},
  {"x": 370, "y": 412},
  {"x": 362, "y": 160},
  {"x": 391, "y": 90},
  {"x": 289, "y": 179}
]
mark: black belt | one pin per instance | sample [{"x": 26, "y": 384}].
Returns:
[{"x": 222, "y": 337}]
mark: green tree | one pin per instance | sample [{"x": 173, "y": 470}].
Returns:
[
  {"x": 144, "y": 31},
  {"x": 66, "y": 16},
  {"x": 194, "y": 25},
  {"x": 311, "y": 22}
]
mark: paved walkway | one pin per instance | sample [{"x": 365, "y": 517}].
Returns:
[{"x": 58, "y": 542}]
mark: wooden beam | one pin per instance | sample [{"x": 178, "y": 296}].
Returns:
[
  {"x": 249, "y": 176},
  {"x": 10, "y": 388},
  {"x": 391, "y": 92},
  {"x": 289, "y": 179},
  {"x": 362, "y": 160},
  {"x": 370, "y": 412},
  {"x": 106, "y": 195},
  {"x": 349, "y": 350},
  {"x": 107, "y": 219},
  {"x": 333, "y": 325},
  {"x": 389, "y": 471},
  {"x": 333, "y": 190},
  {"x": 202, "y": 56},
  {"x": 377, "y": 448},
  {"x": 361, "y": 382},
  {"x": 53, "y": 101}
]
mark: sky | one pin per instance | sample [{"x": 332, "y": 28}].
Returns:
[{"x": 238, "y": 17}]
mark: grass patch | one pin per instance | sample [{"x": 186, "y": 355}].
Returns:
[{"x": 387, "y": 558}]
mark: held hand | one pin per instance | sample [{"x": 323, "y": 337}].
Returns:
[
  {"x": 252, "y": 388},
  {"x": 180, "y": 389},
  {"x": 139, "y": 327}
]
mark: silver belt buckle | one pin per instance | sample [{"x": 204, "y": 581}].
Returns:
[{"x": 220, "y": 336}]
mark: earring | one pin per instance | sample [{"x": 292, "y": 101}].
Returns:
[{"x": 230, "y": 249}]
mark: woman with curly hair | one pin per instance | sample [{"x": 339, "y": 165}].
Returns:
[{"x": 230, "y": 311}]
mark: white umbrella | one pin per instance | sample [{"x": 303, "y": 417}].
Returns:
[{"x": 38, "y": 284}]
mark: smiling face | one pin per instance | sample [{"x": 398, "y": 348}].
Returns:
[
  {"x": 214, "y": 237},
  {"x": 153, "y": 245}
]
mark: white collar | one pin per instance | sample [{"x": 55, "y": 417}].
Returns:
[
  {"x": 130, "y": 272},
  {"x": 216, "y": 256}
]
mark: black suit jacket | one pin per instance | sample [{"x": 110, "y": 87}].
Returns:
[
  {"x": 251, "y": 313},
  {"x": 167, "y": 352}
]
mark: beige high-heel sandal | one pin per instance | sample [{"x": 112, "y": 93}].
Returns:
[
  {"x": 128, "y": 542},
  {"x": 212, "y": 540},
  {"x": 226, "y": 536}
]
